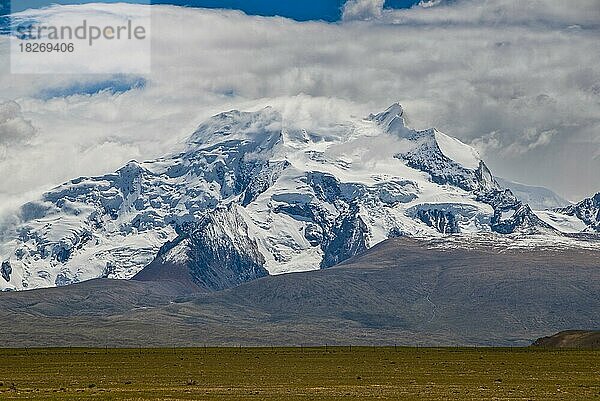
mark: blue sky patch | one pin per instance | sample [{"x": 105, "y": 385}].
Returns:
[
  {"x": 301, "y": 10},
  {"x": 114, "y": 85}
]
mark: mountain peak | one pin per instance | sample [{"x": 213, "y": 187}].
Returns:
[
  {"x": 237, "y": 125},
  {"x": 391, "y": 119},
  {"x": 395, "y": 110}
]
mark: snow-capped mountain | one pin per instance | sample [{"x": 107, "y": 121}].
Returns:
[
  {"x": 588, "y": 211},
  {"x": 257, "y": 194},
  {"x": 583, "y": 217}
]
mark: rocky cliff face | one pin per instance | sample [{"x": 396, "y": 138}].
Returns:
[
  {"x": 441, "y": 220},
  {"x": 588, "y": 211},
  {"x": 213, "y": 253},
  {"x": 6, "y": 270}
]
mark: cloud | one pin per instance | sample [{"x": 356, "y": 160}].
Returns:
[
  {"x": 521, "y": 85},
  {"x": 115, "y": 85},
  {"x": 527, "y": 141},
  {"x": 529, "y": 13},
  {"x": 14, "y": 129},
  {"x": 431, "y": 3},
  {"x": 362, "y": 9}
]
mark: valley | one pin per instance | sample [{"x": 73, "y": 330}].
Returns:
[{"x": 357, "y": 373}]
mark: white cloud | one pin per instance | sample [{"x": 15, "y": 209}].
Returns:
[
  {"x": 362, "y": 9},
  {"x": 488, "y": 73},
  {"x": 430, "y": 3},
  {"x": 14, "y": 129},
  {"x": 528, "y": 140},
  {"x": 549, "y": 13}
]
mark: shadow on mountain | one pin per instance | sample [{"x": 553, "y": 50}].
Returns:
[{"x": 402, "y": 291}]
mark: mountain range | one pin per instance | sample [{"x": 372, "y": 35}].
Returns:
[{"x": 252, "y": 195}]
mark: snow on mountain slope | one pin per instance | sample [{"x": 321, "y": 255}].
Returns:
[
  {"x": 539, "y": 198},
  {"x": 562, "y": 222},
  {"x": 581, "y": 218},
  {"x": 305, "y": 199},
  {"x": 587, "y": 211},
  {"x": 454, "y": 149}
]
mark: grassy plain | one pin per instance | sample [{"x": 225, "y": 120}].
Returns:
[{"x": 300, "y": 374}]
